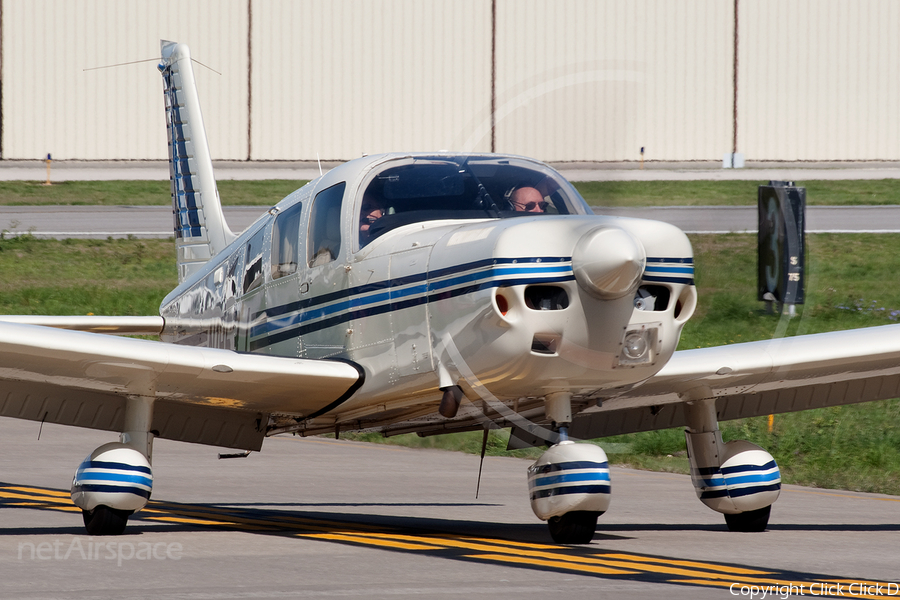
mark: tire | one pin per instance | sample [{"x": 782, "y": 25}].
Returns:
[
  {"x": 104, "y": 520},
  {"x": 752, "y": 521},
  {"x": 575, "y": 527}
]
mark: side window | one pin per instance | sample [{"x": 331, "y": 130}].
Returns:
[
  {"x": 285, "y": 242},
  {"x": 253, "y": 261},
  {"x": 325, "y": 225}
]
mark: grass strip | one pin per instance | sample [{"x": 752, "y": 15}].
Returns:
[
  {"x": 137, "y": 193},
  {"x": 597, "y": 193},
  {"x": 733, "y": 193},
  {"x": 850, "y": 283}
]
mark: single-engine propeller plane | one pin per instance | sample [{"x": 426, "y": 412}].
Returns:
[{"x": 428, "y": 293}]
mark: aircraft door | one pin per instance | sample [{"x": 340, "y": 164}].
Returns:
[
  {"x": 371, "y": 340},
  {"x": 325, "y": 305},
  {"x": 409, "y": 311},
  {"x": 227, "y": 295},
  {"x": 273, "y": 333}
]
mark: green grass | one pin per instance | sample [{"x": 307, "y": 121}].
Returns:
[
  {"x": 853, "y": 271},
  {"x": 732, "y": 193},
  {"x": 597, "y": 193},
  {"x": 851, "y": 282},
  {"x": 138, "y": 193},
  {"x": 79, "y": 277},
  {"x": 849, "y": 447}
]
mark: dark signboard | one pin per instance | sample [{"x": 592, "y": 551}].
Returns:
[{"x": 782, "y": 211}]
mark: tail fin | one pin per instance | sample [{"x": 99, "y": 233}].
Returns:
[{"x": 200, "y": 228}]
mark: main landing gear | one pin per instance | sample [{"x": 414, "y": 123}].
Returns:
[
  {"x": 104, "y": 520},
  {"x": 115, "y": 480},
  {"x": 737, "y": 479},
  {"x": 569, "y": 485}
]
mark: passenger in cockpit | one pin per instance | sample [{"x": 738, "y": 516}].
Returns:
[{"x": 372, "y": 210}]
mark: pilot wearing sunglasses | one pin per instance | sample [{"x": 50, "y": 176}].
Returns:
[{"x": 528, "y": 199}]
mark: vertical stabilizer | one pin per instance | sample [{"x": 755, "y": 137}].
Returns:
[{"x": 200, "y": 228}]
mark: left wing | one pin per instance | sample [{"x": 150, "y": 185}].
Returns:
[
  {"x": 202, "y": 395},
  {"x": 94, "y": 323},
  {"x": 757, "y": 378}
]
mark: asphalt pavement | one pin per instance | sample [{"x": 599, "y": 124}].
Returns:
[
  {"x": 100, "y": 222},
  {"x": 146, "y": 222},
  {"x": 320, "y": 518}
]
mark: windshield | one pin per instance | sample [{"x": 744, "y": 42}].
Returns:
[{"x": 411, "y": 190}]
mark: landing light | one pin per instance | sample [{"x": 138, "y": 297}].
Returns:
[
  {"x": 638, "y": 346},
  {"x": 635, "y": 345}
]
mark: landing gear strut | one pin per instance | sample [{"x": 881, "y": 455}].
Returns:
[
  {"x": 116, "y": 479},
  {"x": 737, "y": 479}
]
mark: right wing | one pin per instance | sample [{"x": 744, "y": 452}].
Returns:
[
  {"x": 202, "y": 395},
  {"x": 757, "y": 378}
]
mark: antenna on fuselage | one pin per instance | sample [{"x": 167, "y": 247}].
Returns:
[
  {"x": 481, "y": 464},
  {"x": 320, "y": 164}
]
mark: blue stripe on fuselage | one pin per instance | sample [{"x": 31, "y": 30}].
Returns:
[
  {"x": 342, "y": 306},
  {"x": 327, "y": 310},
  {"x": 669, "y": 270},
  {"x": 400, "y": 282}
]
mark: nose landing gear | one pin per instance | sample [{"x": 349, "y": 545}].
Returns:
[{"x": 569, "y": 485}]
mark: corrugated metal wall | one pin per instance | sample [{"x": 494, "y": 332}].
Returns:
[
  {"x": 569, "y": 80},
  {"x": 598, "y": 80},
  {"x": 52, "y": 104},
  {"x": 819, "y": 80},
  {"x": 344, "y": 78}
]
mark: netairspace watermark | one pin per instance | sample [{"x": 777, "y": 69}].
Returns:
[
  {"x": 91, "y": 549},
  {"x": 830, "y": 589}
]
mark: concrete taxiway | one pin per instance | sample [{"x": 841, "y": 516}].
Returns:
[
  {"x": 318, "y": 518},
  {"x": 100, "y": 222},
  {"x": 156, "y": 221}
]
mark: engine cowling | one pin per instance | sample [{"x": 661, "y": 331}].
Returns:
[{"x": 114, "y": 475}]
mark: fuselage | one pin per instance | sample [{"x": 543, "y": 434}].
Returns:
[{"x": 451, "y": 283}]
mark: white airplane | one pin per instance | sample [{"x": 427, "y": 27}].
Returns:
[{"x": 425, "y": 293}]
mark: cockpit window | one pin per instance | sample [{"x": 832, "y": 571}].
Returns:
[
  {"x": 411, "y": 190},
  {"x": 285, "y": 242},
  {"x": 253, "y": 261}
]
